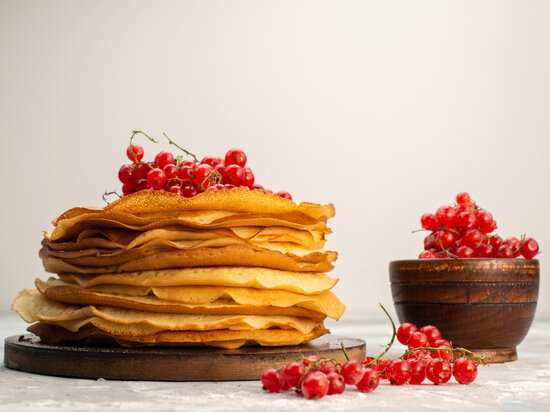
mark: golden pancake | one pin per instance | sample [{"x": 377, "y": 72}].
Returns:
[
  {"x": 33, "y": 307},
  {"x": 227, "y": 339},
  {"x": 253, "y": 277},
  {"x": 197, "y": 299}
]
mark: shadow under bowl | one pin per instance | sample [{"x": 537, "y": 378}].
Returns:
[{"x": 484, "y": 305}]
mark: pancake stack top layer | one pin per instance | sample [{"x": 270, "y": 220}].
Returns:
[{"x": 224, "y": 268}]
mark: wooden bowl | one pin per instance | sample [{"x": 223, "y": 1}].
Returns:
[{"x": 485, "y": 305}]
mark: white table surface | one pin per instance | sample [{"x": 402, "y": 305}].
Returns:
[{"x": 516, "y": 386}]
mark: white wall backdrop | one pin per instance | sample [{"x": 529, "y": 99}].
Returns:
[{"x": 385, "y": 108}]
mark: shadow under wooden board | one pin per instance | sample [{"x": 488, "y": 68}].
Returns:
[{"x": 27, "y": 353}]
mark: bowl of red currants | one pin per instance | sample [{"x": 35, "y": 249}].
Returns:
[{"x": 479, "y": 289}]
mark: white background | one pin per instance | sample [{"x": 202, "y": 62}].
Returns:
[{"x": 385, "y": 108}]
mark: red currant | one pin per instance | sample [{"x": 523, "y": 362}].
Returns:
[
  {"x": 134, "y": 153},
  {"x": 352, "y": 371},
  {"x": 272, "y": 379},
  {"x": 142, "y": 185},
  {"x": 463, "y": 198},
  {"x": 484, "y": 221},
  {"x": 431, "y": 242},
  {"x": 381, "y": 368},
  {"x": 446, "y": 215},
  {"x": 310, "y": 359},
  {"x": 429, "y": 222},
  {"x": 189, "y": 191},
  {"x": 464, "y": 370},
  {"x": 128, "y": 188},
  {"x": 315, "y": 385},
  {"x": 438, "y": 371},
  {"x": 233, "y": 175},
  {"x": 495, "y": 242},
  {"x": 418, "y": 339},
  {"x": 431, "y": 332},
  {"x": 369, "y": 381},
  {"x": 126, "y": 173},
  {"x": 446, "y": 239},
  {"x": 284, "y": 194},
  {"x": 465, "y": 252},
  {"x": 156, "y": 179},
  {"x": 292, "y": 372},
  {"x": 398, "y": 372},
  {"x": 465, "y": 221},
  {"x": 418, "y": 371},
  {"x": 211, "y": 160},
  {"x": 504, "y": 251},
  {"x": 442, "y": 354},
  {"x": 186, "y": 174},
  {"x": 256, "y": 186},
  {"x": 513, "y": 243},
  {"x": 472, "y": 238},
  {"x": 188, "y": 163},
  {"x": 164, "y": 158},
  {"x": 405, "y": 331},
  {"x": 248, "y": 179},
  {"x": 484, "y": 251},
  {"x": 426, "y": 254},
  {"x": 141, "y": 170},
  {"x": 336, "y": 384},
  {"x": 171, "y": 171},
  {"x": 201, "y": 173},
  {"x": 328, "y": 367},
  {"x": 235, "y": 157},
  {"x": 174, "y": 189},
  {"x": 530, "y": 248}
]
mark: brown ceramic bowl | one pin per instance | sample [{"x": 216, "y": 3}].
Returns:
[{"x": 485, "y": 305}]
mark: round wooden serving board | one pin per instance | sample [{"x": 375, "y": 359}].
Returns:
[{"x": 27, "y": 353}]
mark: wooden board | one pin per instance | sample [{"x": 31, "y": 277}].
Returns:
[{"x": 27, "y": 353}]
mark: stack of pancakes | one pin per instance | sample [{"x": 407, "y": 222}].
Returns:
[{"x": 224, "y": 268}]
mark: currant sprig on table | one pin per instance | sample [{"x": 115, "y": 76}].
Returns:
[
  {"x": 465, "y": 230},
  {"x": 427, "y": 356},
  {"x": 184, "y": 177}
]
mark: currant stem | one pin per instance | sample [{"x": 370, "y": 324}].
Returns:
[
  {"x": 481, "y": 359},
  {"x": 181, "y": 148},
  {"x": 344, "y": 350},
  {"x": 104, "y": 196}
]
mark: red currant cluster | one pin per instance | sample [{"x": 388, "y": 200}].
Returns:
[
  {"x": 464, "y": 231},
  {"x": 314, "y": 377},
  {"x": 185, "y": 177},
  {"x": 428, "y": 356}
]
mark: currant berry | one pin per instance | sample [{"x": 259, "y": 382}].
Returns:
[
  {"x": 134, "y": 153},
  {"x": 126, "y": 173},
  {"x": 128, "y": 188},
  {"x": 381, "y": 368},
  {"x": 201, "y": 173},
  {"x": 352, "y": 371},
  {"x": 310, "y": 359},
  {"x": 156, "y": 179},
  {"x": 446, "y": 239},
  {"x": 429, "y": 222},
  {"x": 235, "y": 157},
  {"x": 472, "y": 238},
  {"x": 463, "y": 198},
  {"x": 248, "y": 179},
  {"x": 426, "y": 254},
  {"x": 336, "y": 384},
  {"x": 464, "y": 370},
  {"x": 438, "y": 371},
  {"x": 465, "y": 252},
  {"x": 465, "y": 221},
  {"x": 495, "y": 242},
  {"x": 530, "y": 248},
  {"x": 211, "y": 160},
  {"x": 432, "y": 333},
  {"x": 315, "y": 385},
  {"x": 189, "y": 163},
  {"x": 233, "y": 175},
  {"x": 185, "y": 173},
  {"x": 405, "y": 331},
  {"x": 292, "y": 373},
  {"x": 272, "y": 379},
  {"x": 141, "y": 170},
  {"x": 142, "y": 185},
  {"x": 398, "y": 372},
  {"x": 328, "y": 367},
  {"x": 484, "y": 251},
  {"x": 504, "y": 251},
  {"x": 418, "y": 371},
  {"x": 446, "y": 215},
  {"x": 431, "y": 242},
  {"x": 189, "y": 191},
  {"x": 164, "y": 158},
  {"x": 418, "y": 339},
  {"x": 442, "y": 354},
  {"x": 284, "y": 194},
  {"x": 484, "y": 221},
  {"x": 171, "y": 171},
  {"x": 369, "y": 381},
  {"x": 256, "y": 187}
]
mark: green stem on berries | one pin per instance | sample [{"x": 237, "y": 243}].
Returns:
[
  {"x": 390, "y": 343},
  {"x": 521, "y": 242},
  {"x": 419, "y": 230},
  {"x": 181, "y": 148},
  {"x": 214, "y": 177},
  {"x": 447, "y": 251},
  {"x": 481, "y": 359},
  {"x": 344, "y": 350},
  {"x": 104, "y": 196},
  {"x": 304, "y": 374},
  {"x": 134, "y": 132}
]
